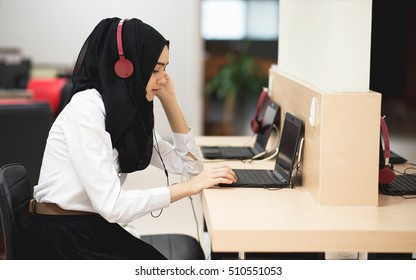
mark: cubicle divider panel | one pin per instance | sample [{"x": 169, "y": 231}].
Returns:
[{"x": 341, "y": 150}]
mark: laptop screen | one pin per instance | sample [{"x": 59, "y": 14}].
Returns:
[
  {"x": 269, "y": 119},
  {"x": 289, "y": 142}
]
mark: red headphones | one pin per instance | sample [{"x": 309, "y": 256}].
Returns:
[
  {"x": 386, "y": 175},
  {"x": 258, "y": 117},
  {"x": 123, "y": 67}
]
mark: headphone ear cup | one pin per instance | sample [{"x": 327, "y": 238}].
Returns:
[
  {"x": 386, "y": 176},
  {"x": 255, "y": 125},
  {"x": 123, "y": 67}
]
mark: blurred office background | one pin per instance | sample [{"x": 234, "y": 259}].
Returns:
[{"x": 220, "y": 54}]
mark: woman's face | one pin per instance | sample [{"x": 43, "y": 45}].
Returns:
[{"x": 157, "y": 79}]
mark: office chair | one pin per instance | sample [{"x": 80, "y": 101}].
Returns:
[
  {"x": 15, "y": 193},
  {"x": 24, "y": 126},
  {"x": 176, "y": 246}
]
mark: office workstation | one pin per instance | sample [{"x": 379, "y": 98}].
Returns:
[
  {"x": 335, "y": 205},
  {"x": 244, "y": 221},
  {"x": 341, "y": 212}
]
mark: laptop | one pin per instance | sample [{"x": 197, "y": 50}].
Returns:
[
  {"x": 290, "y": 146},
  {"x": 396, "y": 158},
  {"x": 270, "y": 118}
]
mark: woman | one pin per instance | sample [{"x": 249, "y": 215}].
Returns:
[{"x": 103, "y": 133}]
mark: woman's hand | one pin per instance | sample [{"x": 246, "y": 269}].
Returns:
[
  {"x": 173, "y": 112},
  {"x": 167, "y": 90},
  {"x": 208, "y": 178},
  {"x": 212, "y": 176}
]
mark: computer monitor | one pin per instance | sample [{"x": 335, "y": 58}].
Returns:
[{"x": 14, "y": 75}]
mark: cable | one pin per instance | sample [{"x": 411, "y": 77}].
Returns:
[
  {"x": 154, "y": 147},
  {"x": 165, "y": 170},
  {"x": 296, "y": 167},
  {"x": 272, "y": 152},
  {"x": 259, "y": 155},
  {"x": 251, "y": 139},
  {"x": 267, "y": 155},
  {"x": 297, "y": 171},
  {"x": 196, "y": 219},
  {"x": 409, "y": 168},
  {"x": 183, "y": 177},
  {"x": 271, "y": 155},
  {"x": 163, "y": 163}
]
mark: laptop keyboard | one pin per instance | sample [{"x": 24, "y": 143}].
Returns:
[
  {"x": 243, "y": 152},
  {"x": 401, "y": 185},
  {"x": 405, "y": 183},
  {"x": 248, "y": 176}
]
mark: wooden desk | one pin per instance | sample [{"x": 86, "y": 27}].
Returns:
[{"x": 289, "y": 220}]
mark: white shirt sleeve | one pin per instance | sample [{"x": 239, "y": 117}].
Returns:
[
  {"x": 78, "y": 170},
  {"x": 175, "y": 156}
]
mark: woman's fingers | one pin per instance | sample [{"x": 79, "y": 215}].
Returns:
[{"x": 223, "y": 172}]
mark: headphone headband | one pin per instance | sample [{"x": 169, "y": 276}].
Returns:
[
  {"x": 123, "y": 67},
  {"x": 119, "y": 39},
  {"x": 386, "y": 139},
  {"x": 263, "y": 95},
  {"x": 261, "y": 103},
  {"x": 386, "y": 175}
]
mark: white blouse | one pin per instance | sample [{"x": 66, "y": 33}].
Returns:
[{"x": 80, "y": 169}]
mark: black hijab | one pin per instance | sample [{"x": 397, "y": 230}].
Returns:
[{"x": 129, "y": 115}]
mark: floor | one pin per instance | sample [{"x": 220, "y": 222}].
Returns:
[{"x": 185, "y": 216}]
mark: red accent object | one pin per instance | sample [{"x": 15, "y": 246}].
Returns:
[
  {"x": 123, "y": 67},
  {"x": 15, "y": 101},
  {"x": 386, "y": 175},
  {"x": 261, "y": 103},
  {"x": 47, "y": 89}
]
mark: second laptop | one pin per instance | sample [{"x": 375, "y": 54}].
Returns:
[{"x": 270, "y": 118}]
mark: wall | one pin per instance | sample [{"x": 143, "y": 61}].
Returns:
[
  {"x": 324, "y": 54},
  {"x": 52, "y": 32},
  {"x": 327, "y": 43}
]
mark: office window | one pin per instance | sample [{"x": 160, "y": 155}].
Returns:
[{"x": 239, "y": 19}]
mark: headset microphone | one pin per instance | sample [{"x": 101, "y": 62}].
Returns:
[{"x": 123, "y": 67}]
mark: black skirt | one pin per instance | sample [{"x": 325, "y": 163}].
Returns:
[{"x": 53, "y": 237}]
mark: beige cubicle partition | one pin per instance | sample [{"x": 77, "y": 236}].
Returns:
[{"x": 341, "y": 148}]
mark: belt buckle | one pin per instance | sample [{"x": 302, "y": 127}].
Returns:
[{"x": 32, "y": 206}]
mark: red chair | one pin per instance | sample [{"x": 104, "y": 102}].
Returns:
[{"x": 49, "y": 90}]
